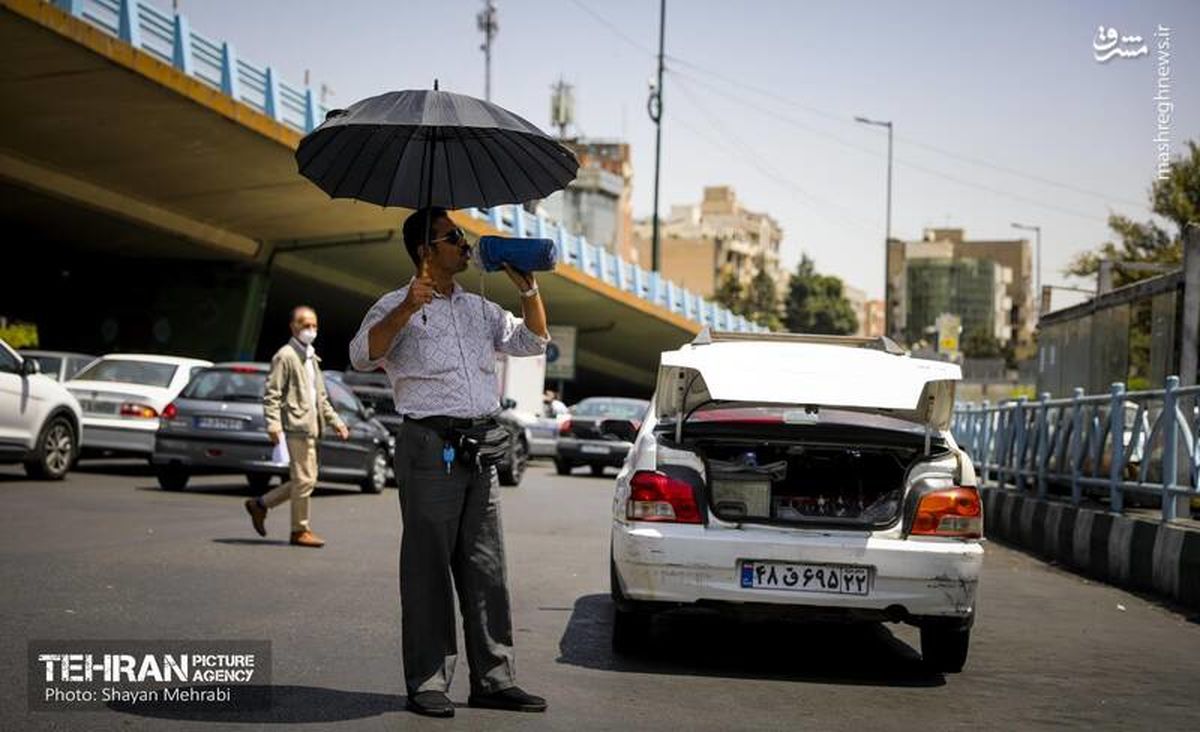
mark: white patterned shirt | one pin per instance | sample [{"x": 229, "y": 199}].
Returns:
[{"x": 446, "y": 366}]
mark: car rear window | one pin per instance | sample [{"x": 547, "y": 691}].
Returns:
[
  {"x": 129, "y": 371},
  {"x": 776, "y": 414},
  {"x": 224, "y": 385},
  {"x": 610, "y": 408}
]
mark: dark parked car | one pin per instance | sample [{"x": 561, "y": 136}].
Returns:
[
  {"x": 372, "y": 388},
  {"x": 216, "y": 425},
  {"x": 598, "y": 433}
]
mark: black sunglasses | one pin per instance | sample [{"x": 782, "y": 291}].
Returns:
[{"x": 455, "y": 236}]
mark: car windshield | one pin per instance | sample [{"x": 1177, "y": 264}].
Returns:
[
  {"x": 129, "y": 371},
  {"x": 49, "y": 365},
  {"x": 225, "y": 385},
  {"x": 611, "y": 408}
]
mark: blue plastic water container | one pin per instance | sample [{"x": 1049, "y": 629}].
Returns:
[{"x": 525, "y": 255}]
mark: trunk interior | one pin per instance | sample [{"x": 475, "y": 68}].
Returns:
[{"x": 809, "y": 479}]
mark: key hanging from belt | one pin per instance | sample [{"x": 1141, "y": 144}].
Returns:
[{"x": 448, "y": 456}]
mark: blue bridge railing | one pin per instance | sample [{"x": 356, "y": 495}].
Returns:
[
  {"x": 170, "y": 39},
  {"x": 1124, "y": 447}
]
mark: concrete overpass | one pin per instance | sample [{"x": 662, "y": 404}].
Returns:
[{"x": 148, "y": 174}]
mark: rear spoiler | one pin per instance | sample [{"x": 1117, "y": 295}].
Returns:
[{"x": 876, "y": 343}]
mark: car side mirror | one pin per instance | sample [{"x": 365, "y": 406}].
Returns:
[
  {"x": 508, "y": 403},
  {"x": 30, "y": 366}
]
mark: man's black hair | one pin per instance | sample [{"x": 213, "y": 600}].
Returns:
[{"x": 414, "y": 229}]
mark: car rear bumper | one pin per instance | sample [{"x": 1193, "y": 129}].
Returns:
[
  {"x": 592, "y": 452},
  {"x": 203, "y": 456},
  {"x": 542, "y": 446},
  {"x": 689, "y": 564},
  {"x": 112, "y": 434}
]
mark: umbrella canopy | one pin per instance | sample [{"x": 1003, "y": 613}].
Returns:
[{"x": 419, "y": 148}]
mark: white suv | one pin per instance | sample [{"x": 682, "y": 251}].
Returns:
[
  {"x": 39, "y": 419},
  {"x": 801, "y": 476}
]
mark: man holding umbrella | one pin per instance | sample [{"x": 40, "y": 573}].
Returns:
[
  {"x": 431, "y": 151},
  {"x": 442, "y": 369}
]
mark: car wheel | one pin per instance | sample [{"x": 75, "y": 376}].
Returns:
[
  {"x": 944, "y": 648},
  {"x": 259, "y": 482},
  {"x": 631, "y": 629},
  {"x": 510, "y": 473},
  {"x": 55, "y": 451},
  {"x": 172, "y": 477},
  {"x": 597, "y": 470},
  {"x": 377, "y": 474},
  {"x": 562, "y": 467}
]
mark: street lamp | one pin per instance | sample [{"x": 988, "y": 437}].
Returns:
[
  {"x": 887, "y": 285},
  {"x": 1037, "y": 273}
]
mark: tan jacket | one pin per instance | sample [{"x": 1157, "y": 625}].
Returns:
[{"x": 285, "y": 403}]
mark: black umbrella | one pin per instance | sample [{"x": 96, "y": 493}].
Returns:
[{"x": 418, "y": 148}]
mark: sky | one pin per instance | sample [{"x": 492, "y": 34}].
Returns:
[{"x": 1001, "y": 111}]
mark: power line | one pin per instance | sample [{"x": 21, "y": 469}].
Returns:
[{"x": 741, "y": 84}]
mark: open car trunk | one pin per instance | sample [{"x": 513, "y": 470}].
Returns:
[{"x": 817, "y": 477}]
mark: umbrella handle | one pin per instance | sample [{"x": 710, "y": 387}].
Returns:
[{"x": 424, "y": 274}]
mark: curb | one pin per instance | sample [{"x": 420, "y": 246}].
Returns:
[{"x": 1129, "y": 552}]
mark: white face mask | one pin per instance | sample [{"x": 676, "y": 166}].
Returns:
[{"x": 307, "y": 336}]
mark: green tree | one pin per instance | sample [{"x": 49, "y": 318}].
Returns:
[
  {"x": 730, "y": 292},
  {"x": 1176, "y": 198},
  {"x": 761, "y": 302},
  {"x": 979, "y": 343},
  {"x": 816, "y": 303}
]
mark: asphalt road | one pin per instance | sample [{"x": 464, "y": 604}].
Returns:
[{"x": 107, "y": 555}]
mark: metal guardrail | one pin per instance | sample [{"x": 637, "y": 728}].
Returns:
[
  {"x": 1141, "y": 443},
  {"x": 170, "y": 39}
]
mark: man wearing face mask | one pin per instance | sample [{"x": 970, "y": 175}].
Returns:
[{"x": 296, "y": 406}]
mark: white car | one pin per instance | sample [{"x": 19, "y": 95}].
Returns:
[
  {"x": 39, "y": 419},
  {"x": 800, "y": 476},
  {"x": 122, "y": 396}
]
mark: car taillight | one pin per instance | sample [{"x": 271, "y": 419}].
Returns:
[
  {"x": 950, "y": 512},
  {"x": 565, "y": 427},
  {"x": 657, "y": 497},
  {"x": 130, "y": 409},
  {"x": 170, "y": 411}
]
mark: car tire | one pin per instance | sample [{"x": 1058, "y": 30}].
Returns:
[
  {"x": 631, "y": 629},
  {"x": 376, "y": 473},
  {"x": 944, "y": 648},
  {"x": 55, "y": 451},
  {"x": 172, "y": 477},
  {"x": 259, "y": 482},
  {"x": 510, "y": 474},
  {"x": 562, "y": 467},
  {"x": 597, "y": 470}
]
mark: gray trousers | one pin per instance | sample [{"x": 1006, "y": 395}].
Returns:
[{"x": 451, "y": 541}]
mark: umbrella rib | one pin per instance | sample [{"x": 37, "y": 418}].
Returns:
[
  {"x": 327, "y": 141},
  {"x": 511, "y": 191},
  {"x": 379, "y": 159},
  {"x": 535, "y": 158},
  {"x": 474, "y": 171},
  {"x": 353, "y": 160},
  {"x": 557, "y": 159},
  {"x": 449, "y": 172},
  {"x": 399, "y": 159},
  {"x": 504, "y": 143}
]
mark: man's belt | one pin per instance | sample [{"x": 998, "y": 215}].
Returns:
[{"x": 446, "y": 426}]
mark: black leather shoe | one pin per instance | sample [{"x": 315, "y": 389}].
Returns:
[
  {"x": 430, "y": 704},
  {"x": 512, "y": 699}
]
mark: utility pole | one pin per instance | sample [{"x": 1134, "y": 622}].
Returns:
[
  {"x": 887, "y": 238},
  {"x": 488, "y": 23},
  {"x": 655, "y": 107}
]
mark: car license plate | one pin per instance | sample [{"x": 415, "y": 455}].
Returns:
[
  {"x": 218, "y": 423},
  {"x": 594, "y": 449},
  {"x": 94, "y": 407},
  {"x": 831, "y": 578}
]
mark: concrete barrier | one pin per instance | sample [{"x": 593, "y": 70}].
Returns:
[{"x": 1127, "y": 551}]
